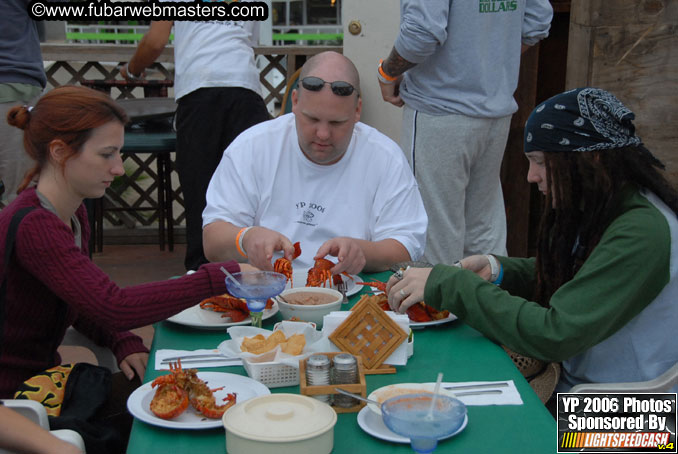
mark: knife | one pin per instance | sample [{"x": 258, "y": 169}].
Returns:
[
  {"x": 481, "y": 385},
  {"x": 204, "y": 360},
  {"x": 473, "y": 393},
  {"x": 202, "y": 355}
]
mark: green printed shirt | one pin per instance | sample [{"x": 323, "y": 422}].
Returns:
[{"x": 622, "y": 276}]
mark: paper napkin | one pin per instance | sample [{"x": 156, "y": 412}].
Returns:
[
  {"x": 399, "y": 356},
  {"x": 509, "y": 394}
]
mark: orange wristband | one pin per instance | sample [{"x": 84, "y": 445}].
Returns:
[
  {"x": 238, "y": 240},
  {"x": 383, "y": 74}
]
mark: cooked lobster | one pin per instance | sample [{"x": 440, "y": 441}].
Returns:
[
  {"x": 320, "y": 274},
  {"x": 235, "y": 308},
  {"x": 419, "y": 312},
  {"x": 182, "y": 386},
  {"x": 284, "y": 266}
]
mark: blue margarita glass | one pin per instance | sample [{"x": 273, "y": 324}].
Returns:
[
  {"x": 256, "y": 287},
  {"x": 409, "y": 415}
]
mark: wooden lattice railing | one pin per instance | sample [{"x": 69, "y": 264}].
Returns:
[{"x": 72, "y": 63}]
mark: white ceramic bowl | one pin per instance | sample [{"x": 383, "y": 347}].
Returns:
[
  {"x": 313, "y": 314},
  {"x": 280, "y": 424}
]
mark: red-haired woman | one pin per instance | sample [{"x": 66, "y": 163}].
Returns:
[
  {"x": 74, "y": 135},
  {"x": 601, "y": 294}
]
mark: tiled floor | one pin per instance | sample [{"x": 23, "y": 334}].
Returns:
[{"x": 129, "y": 265}]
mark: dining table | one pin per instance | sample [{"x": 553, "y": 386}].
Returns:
[{"x": 460, "y": 352}]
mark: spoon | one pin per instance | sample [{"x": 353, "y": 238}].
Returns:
[
  {"x": 230, "y": 276},
  {"x": 435, "y": 396},
  {"x": 356, "y": 396}
]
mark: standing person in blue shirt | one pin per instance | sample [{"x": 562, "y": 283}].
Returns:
[
  {"x": 22, "y": 79},
  {"x": 454, "y": 66},
  {"x": 218, "y": 94}
]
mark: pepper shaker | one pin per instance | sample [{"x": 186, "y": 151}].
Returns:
[{"x": 344, "y": 371}]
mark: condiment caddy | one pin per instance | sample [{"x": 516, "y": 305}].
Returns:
[{"x": 359, "y": 388}]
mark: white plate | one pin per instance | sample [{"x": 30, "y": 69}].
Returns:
[
  {"x": 207, "y": 319},
  {"x": 415, "y": 325},
  {"x": 139, "y": 401},
  {"x": 409, "y": 388},
  {"x": 374, "y": 425},
  {"x": 299, "y": 278},
  {"x": 449, "y": 319}
]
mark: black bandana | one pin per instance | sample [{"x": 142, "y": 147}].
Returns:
[{"x": 583, "y": 119}]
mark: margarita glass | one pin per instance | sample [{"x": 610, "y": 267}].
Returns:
[
  {"x": 410, "y": 415},
  {"x": 256, "y": 287}
]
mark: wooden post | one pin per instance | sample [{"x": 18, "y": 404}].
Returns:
[{"x": 630, "y": 48}]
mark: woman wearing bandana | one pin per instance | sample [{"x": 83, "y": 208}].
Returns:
[{"x": 600, "y": 294}]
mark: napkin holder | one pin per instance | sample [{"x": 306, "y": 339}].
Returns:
[
  {"x": 359, "y": 388},
  {"x": 371, "y": 334}
]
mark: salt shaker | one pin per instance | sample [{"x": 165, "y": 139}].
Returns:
[
  {"x": 344, "y": 371},
  {"x": 318, "y": 373}
]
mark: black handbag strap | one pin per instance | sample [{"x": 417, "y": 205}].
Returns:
[{"x": 9, "y": 248}]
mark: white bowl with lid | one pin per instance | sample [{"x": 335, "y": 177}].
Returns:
[{"x": 280, "y": 424}]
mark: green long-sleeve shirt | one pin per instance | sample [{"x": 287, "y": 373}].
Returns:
[{"x": 624, "y": 273}]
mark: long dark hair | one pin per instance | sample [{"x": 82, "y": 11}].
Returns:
[{"x": 583, "y": 192}]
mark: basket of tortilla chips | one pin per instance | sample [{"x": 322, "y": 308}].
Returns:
[{"x": 272, "y": 357}]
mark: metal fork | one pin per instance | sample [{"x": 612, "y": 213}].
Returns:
[{"x": 342, "y": 288}]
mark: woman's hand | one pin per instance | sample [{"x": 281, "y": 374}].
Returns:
[
  {"x": 407, "y": 291},
  {"x": 134, "y": 363}
]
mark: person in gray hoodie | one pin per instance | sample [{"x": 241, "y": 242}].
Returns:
[
  {"x": 454, "y": 66},
  {"x": 22, "y": 79}
]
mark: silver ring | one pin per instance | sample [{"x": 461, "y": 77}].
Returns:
[
  {"x": 398, "y": 274},
  {"x": 403, "y": 294}
]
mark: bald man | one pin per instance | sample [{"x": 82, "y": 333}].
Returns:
[{"x": 317, "y": 176}]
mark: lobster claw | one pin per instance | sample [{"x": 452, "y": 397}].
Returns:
[{"x": 284, "y": 266}]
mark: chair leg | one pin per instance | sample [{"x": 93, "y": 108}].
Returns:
[
  {"x": 168, "y": 201},
  {"x": 160, "y": 161}
]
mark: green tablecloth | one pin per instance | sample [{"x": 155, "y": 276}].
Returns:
[{"x": 460, "y": 352}]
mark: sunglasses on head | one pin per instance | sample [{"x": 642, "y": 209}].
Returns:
[{"x": 339, "y": 87}]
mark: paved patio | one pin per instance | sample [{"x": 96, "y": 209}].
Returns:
[{"x": 130, "y": 265}]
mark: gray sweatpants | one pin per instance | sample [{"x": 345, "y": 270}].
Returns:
[
  {"x": 456, "y": 161},
  {"x": 14, "y": 162}
]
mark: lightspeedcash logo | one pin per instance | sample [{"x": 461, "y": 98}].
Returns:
[{"x": 153, "y": 10}]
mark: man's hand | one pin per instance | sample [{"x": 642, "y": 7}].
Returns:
[
  {"x": 134, "y": 363},
  {"x": 347, "y": 250},
  {"x": 124, "y": 72},
  {"x": 260, "y": 243},
  {"x": 391, "y": 92}
]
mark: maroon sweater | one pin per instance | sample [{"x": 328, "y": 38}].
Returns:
[{"x": 52, "y": 284}]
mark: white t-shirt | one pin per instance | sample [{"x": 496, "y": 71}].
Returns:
[
  {"x": 264, "y": 179},
  {"x": 215, "y": 54}
]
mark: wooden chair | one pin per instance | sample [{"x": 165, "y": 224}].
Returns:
[{"x": 159, "y": 143}]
